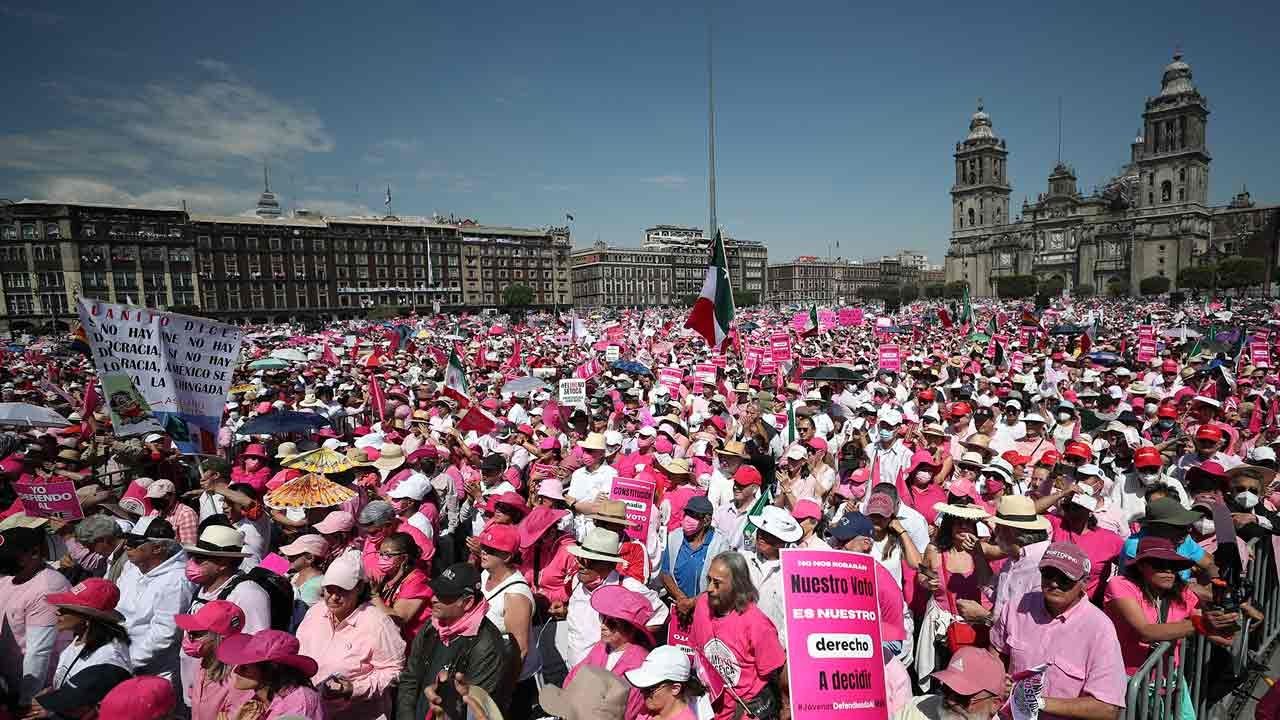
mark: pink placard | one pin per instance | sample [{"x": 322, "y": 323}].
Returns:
[
  {"x": 834, "y": 661},
  {"x": 753, "y": 357},
  {"x": 637, "y": 495},
  {"x": 678, "y": 633},
  {"x": 780, "y": 346},
  {"x": 1146, "y": 351},
  {"x": 845, "y": 317},
  {"x": 1016, "y": 359},
  {"x": 1003, "y": 340},
  {"x": 1147, "y": 332},
  {"x": 890, "y": 357},
  {"x": 800, "y": 321},
  {"x": 55, "y": 499},
  {"x": 1260, "y": 355},
  {"x": 767, "y": 366},
  {"x": 826, "y": 319},
  {"x": 671, "y": 377},
  {"x": 857, "y": 316},
  {"x": 719, "y": 361},
  {"x": 705, "y": 372},
  {"x": 808, "y": 363}
]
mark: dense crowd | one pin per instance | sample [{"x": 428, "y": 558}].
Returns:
[{"x": 448, "y": 541}]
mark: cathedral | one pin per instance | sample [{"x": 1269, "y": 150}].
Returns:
[{"x": 1152, "y": 219}]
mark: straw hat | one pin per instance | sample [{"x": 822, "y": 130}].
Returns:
[
  {"x": 1019, "y": 511},
  {"x": 676, "y": 466},
  {"x": 613, "y": 512},
  {"x": 594, "y": 441},
  {"x": 734, "y": 448},
  {"x": 219, "y": 541},
  {"x": 599, "y": 544},
  {"x": 967, "y": 512},
  {"x": 390, "y": 457},
  {"x": 286, "y": 450}
]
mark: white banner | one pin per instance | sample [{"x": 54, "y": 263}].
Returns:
[{"x": 162, "y": 372}]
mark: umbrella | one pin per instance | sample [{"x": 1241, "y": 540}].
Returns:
[
  {"x": 630, "y": 366},
  {"x": 281, "y": 422},
  {"x": 1104, "y": 358},
  {"x": 28, "y": 415},
  {"x": 524, "y": 385},
  {"x": 289, "y": 354},
  {"x": 1067, "y": 330},
  {"x": 748, "y": 326},
  {"x": 321, "y": 460},
  {"x": 241, "y": 388},
  {"x": 271, "y": 363},
  {"x": 308, "y": 491},
  {"x": 979, "y": 337},
  {"x": 1182, "y": 333},
  {"x": 837, "y": 373}
]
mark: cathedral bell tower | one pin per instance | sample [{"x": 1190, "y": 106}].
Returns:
[
  {"x": 980, "y": 195},
  {"x": 1173, "y": 159}
]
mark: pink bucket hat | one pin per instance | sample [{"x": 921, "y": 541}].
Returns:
[
  {"x": 629, "y": 606},
  {"x": 273, "y": 646}
]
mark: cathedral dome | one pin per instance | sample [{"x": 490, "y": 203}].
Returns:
[
  {"x": 1177, "y": 77},
  {"x": 980, "y": 125}
]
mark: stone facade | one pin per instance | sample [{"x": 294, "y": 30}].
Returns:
[{"x": 1152, "y": 219}]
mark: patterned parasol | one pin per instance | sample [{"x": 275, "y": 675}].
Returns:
[
  {"x": 308, "y": 491},
  {"x": 321, "y": 460}
]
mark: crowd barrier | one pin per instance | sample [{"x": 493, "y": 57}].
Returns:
[{"x": 1190, "y": 672}]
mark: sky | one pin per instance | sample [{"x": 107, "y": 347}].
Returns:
[{"x": 835, "y": 123}]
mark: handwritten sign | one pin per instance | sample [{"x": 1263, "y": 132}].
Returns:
[
  {"x": 612, "y": 353},
  {"x": 572, "y": 391},
  {"x": 54, "y": 499},
  {"x": 833, "y": 635},
  {"x": 890, "y": 357},
  {"x": 780, "y": 346},
  {"x": 637, "y": 495},
  {"x": 162, "y": 372}
]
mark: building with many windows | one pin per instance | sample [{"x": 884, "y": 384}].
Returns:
[
  {"x": 809, "y": 279},
  {"x": 667, "y": 269},
  {"x": 266, "y": 266}
]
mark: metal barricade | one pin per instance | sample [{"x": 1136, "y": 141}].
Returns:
[{"x": 1154, "y": 692}]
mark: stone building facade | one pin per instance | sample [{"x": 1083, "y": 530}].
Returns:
[{"x": 1154, "y": 218}]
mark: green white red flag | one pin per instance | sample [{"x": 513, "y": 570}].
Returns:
[{"x": 713, "y": 311}]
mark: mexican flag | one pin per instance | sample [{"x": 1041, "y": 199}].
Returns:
[
  {"x": 811, "y": 327},
  {"x": 455, "y": 379},
  {"x": 966, "y": 312},
  {"x": 712, "y": 313}
]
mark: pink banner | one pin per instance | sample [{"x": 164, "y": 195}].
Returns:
[
  {"x": 54, "y": 499},
  {"x": 1146, "y": 351},
  {"x": 1015, "y": 361},
  {"x": 767, "y": 366},
  {"x": 834, "y": 660},
  {"x": 705, "y": 372},
  {"x": 826, "y": 319},
  {"x": 753, "y": 357},
  {"x": 857, "y": 316},
  {"x": 671, "y": 377},
  {"x": 780, "y": 346},
  {"x": 1147, "y": 332},
  {"x": 808, "y": 363},
  {"x": 1003, "y": 340},
  {"x": 637, "y": 494},
  {"x": 890, "y": 357},
  {"x": 800, "y": 321},
  {"x": 846, "y": 317},
  {"x": 1260, "y": 355}
]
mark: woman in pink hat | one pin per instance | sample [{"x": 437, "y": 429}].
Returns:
[
  {"x": 625, "y": 640},
  {"x": 267, "y": 664},
  {"x": 213, "y": 692},
  {"x": 251, "y": 467},
  {"x": 505, "y": 588},
  {"x": 922, "y": 490},
  {"x": 88, "y": 613}
]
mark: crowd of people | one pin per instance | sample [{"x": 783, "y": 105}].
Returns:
[{"x": 449, "y": 543}]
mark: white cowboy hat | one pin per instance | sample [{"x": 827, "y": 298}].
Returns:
[
  {"x": 599, "y": 544},
  {"x": 219, "y": 541}
]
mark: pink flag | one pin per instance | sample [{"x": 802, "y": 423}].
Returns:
[
  {"x": 328, "y": 356},
  {"x": 376, "y": 398}
]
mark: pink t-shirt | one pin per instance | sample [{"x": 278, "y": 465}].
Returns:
[
  {"x": 676, "y": 500},
  {"x": 924, "y": 500},
  {"x": 417, "y": 586},
  {"x": 23, "y": 605},
  {"x": 890, "y": 604},
  {"x": 742, "y": 646},
  {"x": 686, "y": 714},
  {"x": 1102, "y": 546},
  {"x": 300, "y": 701},
  {"x": 209, "y": 698},
  {"x": 1134, "y": 650}
]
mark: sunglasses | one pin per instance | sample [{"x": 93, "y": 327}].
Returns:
[{"x": 1056, "y": 578}]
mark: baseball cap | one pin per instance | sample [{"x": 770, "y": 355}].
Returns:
[
  {"x": 151, "y": 527},
  {"x": 664, "y": 664},
  {"x": 1147, "y": 456},
  {"x": 503, "y": 538},
  {"x": 310, "y": 543},
  {"x": 147, "y": 697},
  {"x": 852, "y": 525},
  {"x": 160, "y": 488},
  {"x": 336, "y": 522},
  {"x": 217, "y": 616},
  {"x": 345, "y": 572},
  {"x": 747, "y": 475},
  {"x": 1050, "y": 457},
  {"x": 880, "y": 504},
  {"x": 973, "y": 670},
  {"x": 1078, "y": 449},
  {"x": 1066, "y": 558},
  {"x": 806, "y": 509},
  {"x": 456, "y": 580},
  {"x": 1210, "y": 433}
]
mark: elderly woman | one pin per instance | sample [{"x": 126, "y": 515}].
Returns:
[
  {"x": 212, "y": 692},
  {"x": 88, "y": 613},
  {"x": 624, "y": 639},
  {"x": 268, "y": 665},
  {"x": 103, "y": 537},
  {"x": 358, "y": 648},
  {"x": 376, "y": 521},
  {"x": 404, "y": 592}
]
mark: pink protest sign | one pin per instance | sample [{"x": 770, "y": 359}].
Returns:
[
  {"x": 890, "y": 357},
  {"x": 833, "y": 635},
  {"x": 800, "y": 321},
  {"x": 637, "y": 495},
  {"x": 826, "y": 319},
  {"x": 1001, "y": 340},
  {"x": 845, "y": 317},
  {"x": 1016, "y": 359},
  {"x": 719, "y": 361},
  {"x": 1146, "y": 332},
  {"x": 671, "y": 377},
  {"x": 705, "y": 372},
  {"x": 767, "y": 366},
  {"x": 857, "y": 316},
  {"x": 1260, "y": 355},
  {"x": 753, "y": 357},
  {"x": 780, "y": 346},
  {"x": 1146, "y": 351},
  {"x": 808, "y": 363},
  {"x": 1024, "y": 336},
  {"x": 678, "y": 633},
  {"x": 54, "y": 499}
]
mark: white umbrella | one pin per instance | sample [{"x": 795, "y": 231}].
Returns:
[
  {"x": 523, "y": 385},
  {"x": 28, "y": 415},
  {"x": 1182, "y": 333},
  {"x": 289, "y": 354}
]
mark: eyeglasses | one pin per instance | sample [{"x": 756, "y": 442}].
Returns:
[
  {"x": 390, "y": 555},
  {"x": 1056, "y": 578}
]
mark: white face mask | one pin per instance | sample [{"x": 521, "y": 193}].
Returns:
[
  {"x": 1148, "y": 478},
  {"x": 1203, "y": 526},
  {"x": 886, "y": 435},
  {"x": 1247, "y": 499}
]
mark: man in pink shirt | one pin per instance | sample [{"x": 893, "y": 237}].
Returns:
[
  {"x": 25, "y": 580},
  {"x": 738, "y": 641},
  {"x": 1059, "y": 627}
]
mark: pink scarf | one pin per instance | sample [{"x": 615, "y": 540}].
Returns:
[{"x": 466, "y": 626}]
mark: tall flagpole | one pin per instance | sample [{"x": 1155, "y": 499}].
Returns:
[{"x": 712, "y": 228}]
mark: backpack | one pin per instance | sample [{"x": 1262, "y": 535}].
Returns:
[{"x": 279, "y": 593}]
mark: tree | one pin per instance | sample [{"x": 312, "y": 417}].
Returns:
[
  {"x": 935, "y": 290},
  {"x": 1085, "y": 291},
  {"x": 1196, "y": 278},
  {"x": 746, "y": 298},
  {"x": 1154, "y": 285},
  {"x": 517, "y": 295},
  {"x": 1016, "y": 286},
  {"x": 956, "y": 289},
  {"x": 1241, "y": 272}
]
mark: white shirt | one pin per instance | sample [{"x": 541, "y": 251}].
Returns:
[
  {"x": 766, "y": 575},
  {"x": 149, "y": 603},
  {"x": 894, "y": 460},
  {"x": 585, "y": 485},
  {"x": 517, "y": 415},
  {"x": 719, "y": 489},
  {"x": 514, "y": 585},
  {"x": 211, "y": 504},
  {"x": 71, "y": 661},
  {"x": 255, "y": 540},
  {"x": 583, "y": 621}
]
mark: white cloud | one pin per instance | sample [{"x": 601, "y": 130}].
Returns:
[
  {"x": 217, "y": 67},
  {"x": 671, "y": 182},
  {"x": 69, "y": 151},
  {"x": 199, "y": 198}
]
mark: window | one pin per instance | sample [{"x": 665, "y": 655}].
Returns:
[
  {"x": 53, "y": 231},
  {"x": 1182, "y": 175},
  {"x": 228, "y": 243},
  {"x": 317, "y": 245},
  {"x": 1182, "y": 194},
  {"x": 48, "y": 253},
  {"x": 124, "y": 280},
  {"x": 10, "y": 233},
  {"x": 54, "y": 302},
  {"x": 971, "y": 217},
  {"x": 273, "y": 244},
  {"x": 28, "y": 231},
  {"x": 179, "y": 255},
  {"x": 1166, "y": 191},
  {"x": 299, "y": 244},
  {"x": 278, "y": 298},
  {"x": 251, "y": 243},
  {"x": 50, "y": 279},
  {"x": 204, "y": 242}
]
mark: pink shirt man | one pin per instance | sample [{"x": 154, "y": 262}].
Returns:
[
  {"x": 365, "y": 648},
  {"x": 1079, "y": 646},
  {"x": 742, "y": 646}
]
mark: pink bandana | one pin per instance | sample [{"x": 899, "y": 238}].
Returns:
[{"x": 465, "y": 626}]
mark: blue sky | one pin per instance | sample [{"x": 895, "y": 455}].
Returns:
[{"x": 836, "y": 123}]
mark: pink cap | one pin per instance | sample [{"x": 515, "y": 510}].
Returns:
[
  {"x": 1066, "y": 558},
  {"x": 963, "y": 488},
  {"x": 146, "y": 697},
  {"x": 93, "y": 594},
  {"x": 817, "y": 443},
  {"x": 551, "y": 488},
  {"x": 311, "y": 543},
  {"x": 503, "y": 538},
  {"x": 880, "y": 504},
  {"x": 971, "y": 671},
  {"x": 336, "y": 522},
  {"x": 806, "y": 509},
  {"x": 217, "y": 616},
  {"x": 274, "y": 646},
  {"x": 548, "y": 443},
  {"x": 616, "y": 601}
]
